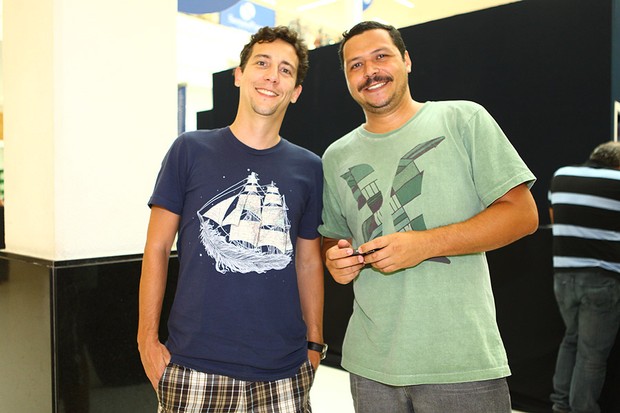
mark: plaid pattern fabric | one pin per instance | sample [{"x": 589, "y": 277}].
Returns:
[{"x": 183, "y": 390}]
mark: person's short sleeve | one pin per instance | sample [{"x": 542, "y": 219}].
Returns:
[{"x": 170, "y": 184}]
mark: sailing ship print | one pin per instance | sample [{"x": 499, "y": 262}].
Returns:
[{"x": 246, "y": 228}]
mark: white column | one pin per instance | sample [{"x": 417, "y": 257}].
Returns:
[{"x": 89, "y": 111}]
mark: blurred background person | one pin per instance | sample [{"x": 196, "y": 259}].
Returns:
[{"x": 585, "y": 212}]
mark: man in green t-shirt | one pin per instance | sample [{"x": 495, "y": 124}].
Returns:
[{"x": 412, "y": 200}]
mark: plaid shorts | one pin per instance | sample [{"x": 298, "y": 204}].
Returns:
[{"x": 189, "y": 391}]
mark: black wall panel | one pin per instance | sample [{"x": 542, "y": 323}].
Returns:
[{"x": 543, "y": 69}]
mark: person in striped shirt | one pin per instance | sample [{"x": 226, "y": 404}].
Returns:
[{"x": 585, "y": 212}]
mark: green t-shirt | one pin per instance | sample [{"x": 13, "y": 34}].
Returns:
[{"x": 435, "y": 322}]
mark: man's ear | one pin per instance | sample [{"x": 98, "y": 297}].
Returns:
[
  {"x": 237, "y": 74},
  {"x": 296, "y": 94},
  {"x": 407, "y": 61}
]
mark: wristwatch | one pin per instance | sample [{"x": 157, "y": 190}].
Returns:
[{"x": 321, "y": 348}]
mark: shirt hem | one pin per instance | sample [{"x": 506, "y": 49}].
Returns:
[{"x": 415, "y": 379}]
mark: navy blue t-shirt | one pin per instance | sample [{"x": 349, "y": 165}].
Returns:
[{"x": 237, "y": 311}]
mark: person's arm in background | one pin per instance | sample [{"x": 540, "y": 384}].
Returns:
[
  {"x": 551, "y": 214},
  {"x": 162, "y": 230},
  {"x": 309, "y": 268}
]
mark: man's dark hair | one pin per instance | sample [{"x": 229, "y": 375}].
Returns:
[
  {"x": 371, "y": 25},
  {"x": 269, "y": 34},
  {"x": 606, "y": 154}
]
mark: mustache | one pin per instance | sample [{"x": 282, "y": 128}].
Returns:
[{"x": 374, "y": 79}]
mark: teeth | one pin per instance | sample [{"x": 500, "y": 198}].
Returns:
[
  {"x": 376, "y": 86},
  {"x": 267, "y": 92}
]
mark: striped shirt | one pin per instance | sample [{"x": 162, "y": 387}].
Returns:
[{"x": 586, "y": 217}]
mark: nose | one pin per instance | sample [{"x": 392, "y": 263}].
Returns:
[
  {"x": 272, "y": 74},
  {"x": 370, "y": 69}
]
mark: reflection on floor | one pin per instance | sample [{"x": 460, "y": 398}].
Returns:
[{"x": 111, "y": 399}]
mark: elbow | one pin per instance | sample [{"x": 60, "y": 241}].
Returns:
[
  {"x": 529, "y": 214},
  {"x": 533, "y": 226},
  {"x": 531, "y": 220}
]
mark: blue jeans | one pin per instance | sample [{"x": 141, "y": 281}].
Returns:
[
  {"x": 488, "y": 396},
  {"x": 589, "y": 302}
]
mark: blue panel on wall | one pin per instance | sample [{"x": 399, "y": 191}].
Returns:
[
  {"x": 204, "y": 6},
  {"x": 248, "y": 16}
]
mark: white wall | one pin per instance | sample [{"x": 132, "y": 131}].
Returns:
[
  {"x": 28, "y": 121},
  {"x": 89, "y": 111}
]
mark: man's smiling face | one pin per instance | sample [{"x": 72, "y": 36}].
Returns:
[
  {"x": 376, "y": 72},
  {"x": 267, "y": 83}
]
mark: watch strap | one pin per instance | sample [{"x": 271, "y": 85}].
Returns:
[{"x": 321, "y": 348}]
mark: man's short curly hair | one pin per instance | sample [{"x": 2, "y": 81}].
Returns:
[{"x": 269, "y": 34}]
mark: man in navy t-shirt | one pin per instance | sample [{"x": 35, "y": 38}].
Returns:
[{"x": 245, "y": 328}]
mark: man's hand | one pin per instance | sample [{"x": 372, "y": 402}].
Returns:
[
  {"x": 342, "y": 265},
  {"x": 395, "y": 251},
  {"x": 315, "y": 358},
  {"x": 155, "y": 357}
]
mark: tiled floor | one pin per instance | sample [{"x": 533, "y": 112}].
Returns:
[{"x": 330, "y": 392}]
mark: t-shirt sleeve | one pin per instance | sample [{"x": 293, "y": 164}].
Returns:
[
  {"x": 334, "y": 223},
  {"x": 170, "y": 184},
  {"x": 496, "y": 165},
  {"x": 311, "y": 219}
]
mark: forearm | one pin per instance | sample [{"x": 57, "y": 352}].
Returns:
[
  {"x": 154, "y": 355},
  {"x": 511, "y": 217},
  {"x": 151, "y": 295},
  {"x": 311, "y": 287},
  {"x": 500, "y": 224},
  {"x": 162, "y": 229},
  {"x": 312, "y": 301}
]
